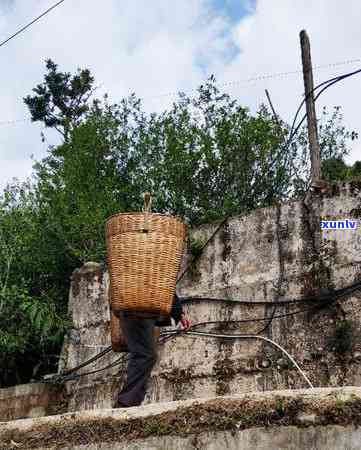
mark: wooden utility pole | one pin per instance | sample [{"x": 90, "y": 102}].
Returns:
[{"x": 310, "y": 109}]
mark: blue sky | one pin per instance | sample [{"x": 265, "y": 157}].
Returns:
[{"x": 234, "y": 9}]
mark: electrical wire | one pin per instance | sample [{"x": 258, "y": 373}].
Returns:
[
  {"x": 11, "y": 122},
  {"x": 76, "y": 376},
  {"x": 328, "y": 84},
  {"x": 269, "y": 322},
  {"x": 30, "y": 23},
  {"x": 228, "y": 83},
  {"x": 325, "y": 301},
  {"x": 292, "y": 134},
  {"x": 260, "y": 78},
  {"x": 321, "y": 297},
  {"x": 85, "y": 363},
  {"x": 322, "y": 302},
  {"x": 195, "y": 259},
  {"x": 251, "y": 336},
  {"x": 171, "y": 334}
]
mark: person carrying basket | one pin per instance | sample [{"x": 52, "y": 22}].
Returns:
[
  {"x": 142, "y": 347},
  {"x": 144, "y": 252}
]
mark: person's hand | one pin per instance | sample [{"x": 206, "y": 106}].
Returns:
[{"x": 185, "y": 323}]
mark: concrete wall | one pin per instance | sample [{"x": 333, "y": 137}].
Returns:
[
  {"x": 273, "y": 253},
  {"x": 89, "y": 308},
  {"x": 31, "y": 400}
]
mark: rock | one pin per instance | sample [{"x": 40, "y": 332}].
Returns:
[
  {"x": 307, "y": 418},
  {"x": 263, "y": 363},
  {"x": 74, "y": 336},
  {"x": 91, "y": 265},
  {"x": 282, "y": 363}
]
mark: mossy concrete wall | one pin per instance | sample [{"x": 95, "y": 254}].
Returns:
[{"x": 271, "y": 254}]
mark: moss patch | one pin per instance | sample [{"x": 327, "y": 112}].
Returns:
[
  {"x": 215, "y": 415},
  {"x": 342, "y": 340},
  {"x": 177, "y": 376}
]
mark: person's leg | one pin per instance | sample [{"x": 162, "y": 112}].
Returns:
[{"x": 139, "y": 334}]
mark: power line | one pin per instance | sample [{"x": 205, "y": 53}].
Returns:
[
  {"x": 326, "y": 84},
  {"x": 71, "y": 374},
  {"x": 11, "y": 122},
  {"x": 258, "y": 78},
  {"x": 246, "y": 337},
  {"x": 262, "y": 77},
  {"x": 31, "y": 23}
]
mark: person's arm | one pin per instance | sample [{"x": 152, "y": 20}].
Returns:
[
  {"x": 177, "y": 309},
  {"x": 178, "y": 314}
]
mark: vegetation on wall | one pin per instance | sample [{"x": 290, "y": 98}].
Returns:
[{"x": 204, "y": 158}]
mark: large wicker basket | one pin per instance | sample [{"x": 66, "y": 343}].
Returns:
[{"x": 144, "y": 252}]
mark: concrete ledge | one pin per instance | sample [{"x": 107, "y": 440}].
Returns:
[
  {"x": 31, "y": 400},
  {"x": 231, "y": 422}
]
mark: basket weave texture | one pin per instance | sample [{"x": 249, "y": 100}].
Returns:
[
  {"x": 117, "y": 337},
  {"x": 144, "y": 252},
  {"x": 119, "y": 343}
]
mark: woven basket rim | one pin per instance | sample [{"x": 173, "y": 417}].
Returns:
[{"x": 138, "y": 213}]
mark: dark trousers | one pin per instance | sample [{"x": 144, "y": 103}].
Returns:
[{"x": 139, "y": 335}]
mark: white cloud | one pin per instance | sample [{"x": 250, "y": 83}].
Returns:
[
  {"x": 269, "y": 43},
  {"x": 157, "y": 47}
]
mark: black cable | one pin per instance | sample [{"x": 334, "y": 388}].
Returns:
[
  {"x": 321, "y": 297},
  {"x": 29, "y": 24},
  {"x": 328, "y": 84},
  {"x": 201, "y": 251},
  {"x": 269, "y": 323},
  {"x": 70, "y": 375},
  {"x": 259, "y": 319},
  {"x": 87, "y": 362},
  {"x": 292, "y": 134},
  {"x": 331, "y": 80},
  {"x": 76, "y": 376},
  {"x": 322, "y": 302}
]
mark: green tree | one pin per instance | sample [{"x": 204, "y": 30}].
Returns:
[
  {"x": 208, "y": 157},
  {"x": 88, "y": 178},
  {"x": 356, "y": 169},
  {"x": 32, "y": 320},
  {"x": 334, "y": 141},
  {"x": 62, "y": 100},
  {"x": 335, "y": 169}
]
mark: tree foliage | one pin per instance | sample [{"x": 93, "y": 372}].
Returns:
[
  {"x": 32, "y": 288},
  {"x": 203, "y": 159},
  {"x": 62, "y": 100}
]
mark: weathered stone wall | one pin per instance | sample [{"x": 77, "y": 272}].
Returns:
[
  {"x": 273, "y": 253},
  {"x": 89, "y": 309},
  {"x": 31, "y": 400}
]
